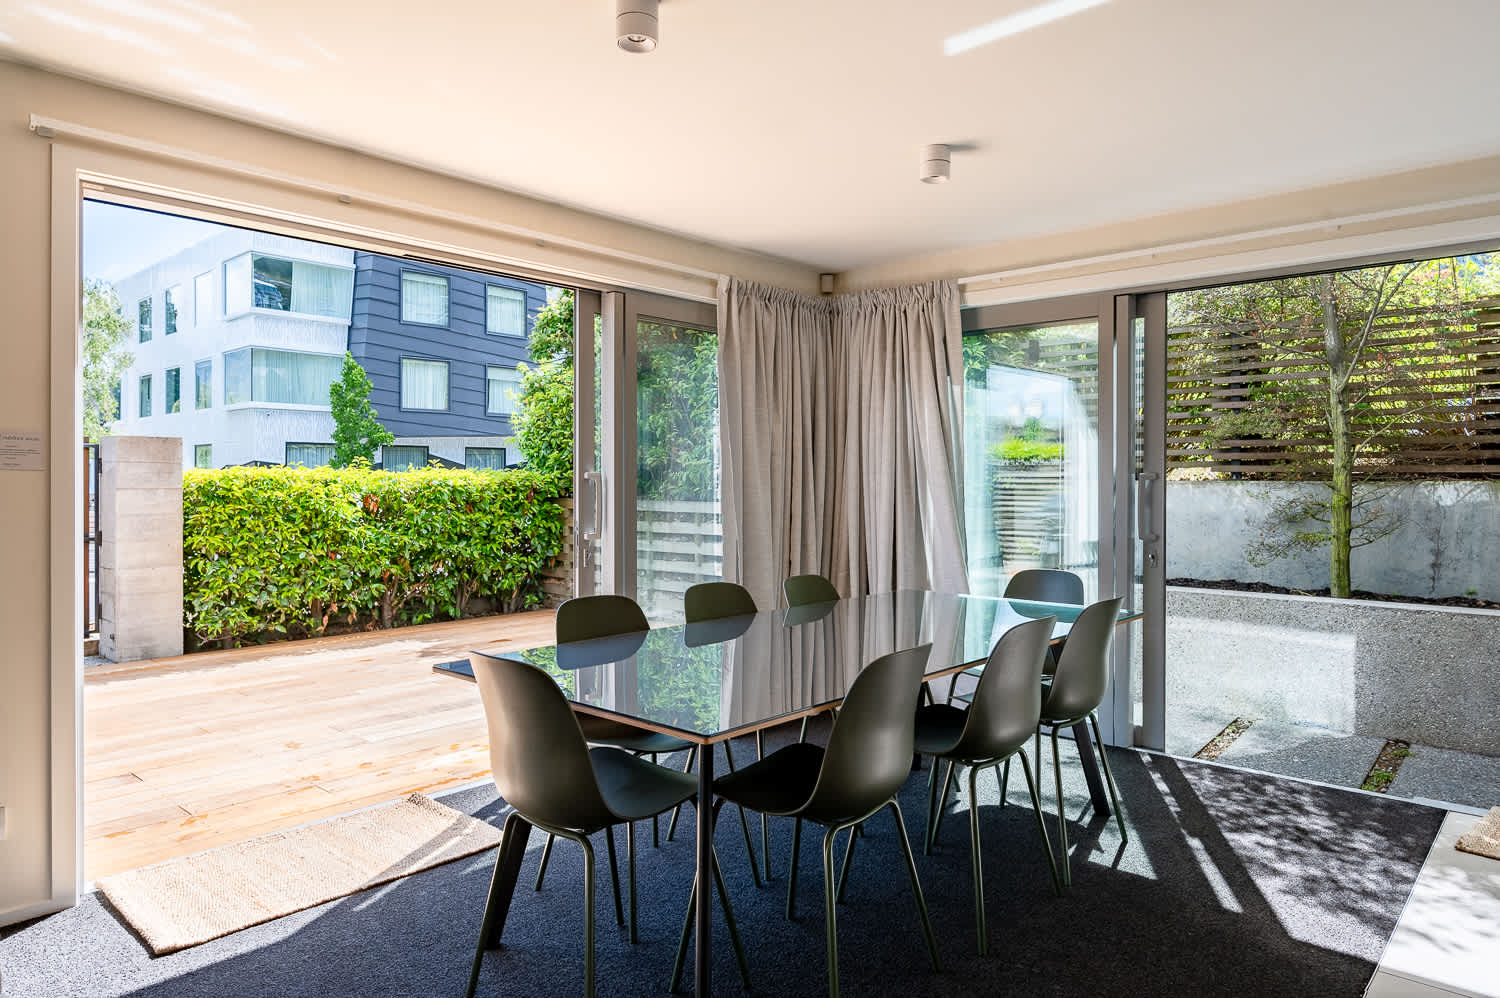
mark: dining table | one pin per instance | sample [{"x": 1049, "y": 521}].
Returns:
[{"x": 709, "y": 681}]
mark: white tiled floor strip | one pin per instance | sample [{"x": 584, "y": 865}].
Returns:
[{"x": 1447, "y": 941}]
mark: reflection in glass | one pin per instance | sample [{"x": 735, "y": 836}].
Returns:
[{"x": 1031, "y": 453}]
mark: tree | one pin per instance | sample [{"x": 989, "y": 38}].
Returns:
[
  {"x": 104, "y": 363},
  {"x": 1335, "y": 377},
  {"x": 543, "y": 419},
  {"x": 357, "y": 432}
]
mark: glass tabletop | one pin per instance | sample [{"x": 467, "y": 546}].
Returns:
[{"x": 712, "y": 679}]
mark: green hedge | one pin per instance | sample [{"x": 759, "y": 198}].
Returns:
[{"x": 276, "y": 552}]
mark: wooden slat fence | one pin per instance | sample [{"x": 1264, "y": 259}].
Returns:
[{"x": 1251, "y": 401}]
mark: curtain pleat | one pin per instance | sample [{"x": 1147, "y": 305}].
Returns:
[{"x": 841, "y": 438}]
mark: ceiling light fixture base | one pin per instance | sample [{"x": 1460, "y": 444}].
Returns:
[
  {"x": 636, "y": 25},
  {"x": 937, "y": 163}
]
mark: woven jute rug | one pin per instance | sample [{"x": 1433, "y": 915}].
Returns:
[
  {"x": 1484, "y": 838},
  {"x": 188, "y": 901}
]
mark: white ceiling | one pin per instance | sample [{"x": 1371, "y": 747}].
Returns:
[{"x": 793, "y": 127}]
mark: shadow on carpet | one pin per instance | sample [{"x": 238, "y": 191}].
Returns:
[{"x": 1232, "y": 883}]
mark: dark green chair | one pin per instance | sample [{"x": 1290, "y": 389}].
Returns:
[
  {"x": 546, "y": 772},
  {"x": 804, "y": 590},
  {"x": 586, "y": 618},
  {"x": 1074, "y": 695},
  {"x": 1000, "y": 720},
  {"x": 716, "y": 601},
  {"x": 858, "y": 775},
  {"x": 1047, "y": 585}
]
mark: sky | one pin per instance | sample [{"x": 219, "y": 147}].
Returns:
[{"x": 119, "y": 241}]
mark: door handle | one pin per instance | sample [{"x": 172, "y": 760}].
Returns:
[
  {"x": 594, "y": 532},
  {"x": 1146, "y": 481}
]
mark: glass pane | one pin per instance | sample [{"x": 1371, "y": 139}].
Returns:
[
  {"x": 502, "y": 387},
  {"x": 237, "y": 284},
  {"x": 505, "y": 311},
  {"x": 1031, "y": 453},
  {"x": 424, "y": 299},
  {"x": 309, "y": 455},
  {"x": 143, "y": 319},
  {"x": 203, "y": 299},
  {"x": 173, "y": 400},
  {"x": 320, "y": 290},
  {"x": 145, "y": 396},
  {"x": 424, "y": 384},
  {"x": 203, "y": 456},
  {"x": 294, "y": 378},
  {"x": 172, "y": 297},
  {"x": 484, "y": 458},
  {"x": 237, "y": 377},
  {"x": 273, "y": 283},
  {"x": 679, "y": 531},
  {"x": 203, "y": 384},
  {"x": 396, "y": 458}
]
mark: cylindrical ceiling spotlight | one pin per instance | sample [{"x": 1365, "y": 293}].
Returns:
[
  {"x": 937, "y": 161},
  {"x": 635, "y": 25}
]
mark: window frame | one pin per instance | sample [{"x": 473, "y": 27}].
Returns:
[
  {"x": 166, "y": 391},
  {"x": 426, "y": 456},
  {"x": 489, "y": 412},
  {"x": 504, "y": 458},
  {"x": 447, "y": 322},
  {"x": 171, "y": 310},
  {"x": 144, "y": 391},
  {"x": 145, "y": 330},
  {"x": 197, "y": 364},
  {"x": 200, "y": 317},
  {"x": 197, "y": 460},
  {"x": 401, "y": 382},
  {"x": 286, "y": 452},
  {"x": 502, "y": 287},
  {"x": 253, "y": 401},
  {"x": 253, "y": 309}
]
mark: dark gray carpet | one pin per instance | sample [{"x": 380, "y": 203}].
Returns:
[{"x": 1232, "y": 883}]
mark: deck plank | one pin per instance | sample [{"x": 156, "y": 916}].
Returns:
[{"x": 184, "y": 754}]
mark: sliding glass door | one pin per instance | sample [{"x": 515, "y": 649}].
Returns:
[{"x": 649, "y": 456}]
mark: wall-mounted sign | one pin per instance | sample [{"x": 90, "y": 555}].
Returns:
[{"x": 21, "y": 450}]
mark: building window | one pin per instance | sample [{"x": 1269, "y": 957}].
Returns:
[
  {"x": 143, "y": 319},
  {"x": 484, "y": 458},
  {"x": 173, "y": 400},
  {"x": 203, "y": 456},
  {"x": 502, "y": 386},
  {"x": 173, "y": 296},
  {"x": 203, "y": 298},
  {"x": 115, "y": 392},
  {"x": 424, "y": 298},
  {"x": 252, "y": 280},
  {"x": 279, "y": 376},
  {"x": 144, "y": 397},
  {"x": 309, "y": 455},
  {"x": 203, "y": 384},
  {"x": 424, "y": 384},
  {"x": 505, "y": 311},
  {"x": 394, "y": 458}
]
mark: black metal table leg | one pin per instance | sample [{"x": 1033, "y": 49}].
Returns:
[
  {"x": 1098, "y": 792},
  {"x": 508, "y": 872},
  {"x": 703, "y": 952}
]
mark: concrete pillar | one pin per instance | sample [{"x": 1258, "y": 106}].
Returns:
[{"x": 140, "y": 551}]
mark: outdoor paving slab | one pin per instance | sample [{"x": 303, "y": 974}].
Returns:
[
  {"x": 1445, "y": 775},
  {"x": 1190, "y": 727},
  {"x": 1306, "y": 752}
]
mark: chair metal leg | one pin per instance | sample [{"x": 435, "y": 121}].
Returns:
[
  {"x": 588, "y": 917},
  {"x": 1109, "y": 777},
  {"x": 687, "y": 767},
  {"x": 932, "y": 806},
  {"x": 1004, "y": 782},
  {"x": 541, "y": 871},
  {"x": 630, "y": 862},
  {"x": 765, "y": 822},
  {"x": 614, "y": 874},
  {"x": 978, "y": 862},
  {"x": 916, "y": 885},
  {"x": 830, "y": 924},
  {"x": 803, "y": 736},
  {"x": 1041, "y": 826},
  {"x": 1062, "y": 817},
  {"x": 937, "y": 821},
  {"x": 848, "y": 859},
  {"x": 734, "y": 929},
  {"x": 791, "y": 874},
  {"x": 655, "y": 822},
  {"x": 744, "y": 824}
]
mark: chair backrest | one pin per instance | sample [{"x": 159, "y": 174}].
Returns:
[
  {"x": 870, "y": 747},
  {"x": 1046, "y": 585},
  {"x": 715, "y": 600},
  {"x": 1008, "y": 702},
  {"x": 537, "y": 752},
  {"x": 801, "y": 590},
  {"x": 1083, "y": 667},
  {"x": 586, "y": 617}
]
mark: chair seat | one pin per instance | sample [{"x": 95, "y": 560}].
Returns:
[
  {"x": 603, "y": 731},
  {"x": 939, "y": 727},
  {"x": 778, "y": 784},
  {"x": 634, "y": 789}
]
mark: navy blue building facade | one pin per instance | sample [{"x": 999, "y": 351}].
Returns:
[{"x": 415, "y": 326}]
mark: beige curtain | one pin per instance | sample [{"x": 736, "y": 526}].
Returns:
[{"x": 841, "y": 438}]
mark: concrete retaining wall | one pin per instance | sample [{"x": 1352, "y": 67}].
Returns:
[
  {"x": 1424, "y": 674},
  {"x": 1444, "y": 546},
  {"x": 140, "y": 549}
]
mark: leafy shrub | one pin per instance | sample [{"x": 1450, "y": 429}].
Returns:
[
  {"x": 1018, "y": 450},
  {"x": 271, "y": 552}
]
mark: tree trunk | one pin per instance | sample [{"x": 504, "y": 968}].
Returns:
[{"x": 1341, "y": 473}]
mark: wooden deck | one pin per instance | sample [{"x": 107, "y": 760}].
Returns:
[{"x": 186, "y": 753}]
